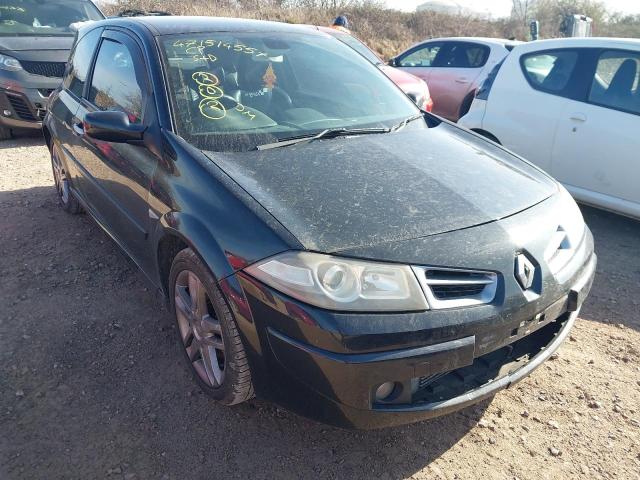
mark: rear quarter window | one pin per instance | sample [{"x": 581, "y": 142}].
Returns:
[{"x": 550, "y": 71}]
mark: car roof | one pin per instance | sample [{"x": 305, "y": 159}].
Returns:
[
  {"x": 485, "y": 40},
  {"x": 170, "y": 25},
  {"x": 584, "y": 42}
]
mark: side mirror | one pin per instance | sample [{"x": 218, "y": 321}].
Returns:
[
  {"x": 392, "y": 62},
  {"x": 112, "y": 127}
]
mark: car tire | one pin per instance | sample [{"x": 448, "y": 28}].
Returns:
[
  {"x": 5, "y": 133},
  {"x": 208, "y": 332},
  {"x": 68, "y": 201}
]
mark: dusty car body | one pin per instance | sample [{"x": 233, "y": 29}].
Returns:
[{"x": 311, "y": 251}]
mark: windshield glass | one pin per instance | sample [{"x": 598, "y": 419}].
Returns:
[
  {"x": 233, "y": 92},
  {"x": 357, "y": 45},
  {"x": 44, "y": 17}
]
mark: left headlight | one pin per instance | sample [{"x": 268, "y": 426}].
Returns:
[
  {"x": 342, "y": 284},
  {"x": 9, "y": 63}
]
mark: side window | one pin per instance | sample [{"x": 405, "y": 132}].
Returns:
[
  {"x": 463, "y": 55},
  {"x": 550, "y": 71},
  {"x": 615, "y": 83},
  {"x": 80, "y": 62},
  {"x": 114, "y": 85},
  {"x": 421, "y": 57}
]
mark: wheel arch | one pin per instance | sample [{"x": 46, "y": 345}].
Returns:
[
  {"x": 465, "y": 106},
  {"x": 177, "y": 231}
]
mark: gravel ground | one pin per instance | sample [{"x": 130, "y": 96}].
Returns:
[{"x": 92, "y": 383}]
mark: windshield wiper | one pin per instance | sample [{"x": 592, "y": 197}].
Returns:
[
  {"x": 404, "y": 122},
  {"x": 328, "y": 133}
]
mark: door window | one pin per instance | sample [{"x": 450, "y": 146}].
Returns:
[
  {"x": 615, "y": 83},
  {"x": 550, "y": 71},
  {"x": 423, "y": 56},
  {"x": 80, "y": 62},
  {"x": 462, "y": 55},
  {"x": 114, "y": 85}
]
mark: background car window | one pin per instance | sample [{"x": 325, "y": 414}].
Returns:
[
  {"x": 462, "y": 55},
  {"x": 615, "y": 83},
  {"x": 114, "y": 85},
  {"x": 550, "y": 71},
  {"x": 80, "y": 62},
  {"x": 422, "y": 57},
  {"x": 47, "y": 18}
]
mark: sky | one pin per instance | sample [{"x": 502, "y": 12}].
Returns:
[{"x": 502, "y": 8}]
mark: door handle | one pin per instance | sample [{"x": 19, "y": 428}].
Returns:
[
  {"x": 78, "y": 127},
  {"x": 462, "y": 80},
  {"x": 578, "y": 117}
]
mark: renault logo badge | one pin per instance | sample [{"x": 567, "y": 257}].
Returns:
[{"x": 525, "y": 271}]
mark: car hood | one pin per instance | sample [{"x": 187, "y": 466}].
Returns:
[
  {"x": 343, "y": 193},
  {"x": 28, "y": 43}
]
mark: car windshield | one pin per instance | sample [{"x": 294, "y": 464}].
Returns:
[
  {"x": 44, "y": 17},
  {"x": 234, "y": 92},
  {"x": 357, "y": 45}
]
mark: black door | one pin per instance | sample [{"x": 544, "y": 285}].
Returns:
[{"x": 118, "y": 175}]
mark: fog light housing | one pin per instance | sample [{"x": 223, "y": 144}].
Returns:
[
  {"x": 6, "y": 113},
  {"x": 385, "y": 390}
]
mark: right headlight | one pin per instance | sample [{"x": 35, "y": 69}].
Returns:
[
  {"x": 342, "y": 284},
  {"x": 9, "y": 63}
]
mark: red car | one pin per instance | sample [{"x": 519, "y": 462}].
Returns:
[{"x": 413, "y": 86}]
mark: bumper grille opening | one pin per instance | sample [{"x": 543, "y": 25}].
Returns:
[
  {"x": 21, "y": 108},
  {"x": 488, "y": 367},
  {"x": 449, "y": 288},
  {"x": 45, "y": 69},
  {"x": 444, "y": 292}
]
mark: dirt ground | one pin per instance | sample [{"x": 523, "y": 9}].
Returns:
[{"x": 93, "y": 385}]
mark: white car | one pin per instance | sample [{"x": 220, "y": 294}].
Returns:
[
  {"x": 572, "y": 107},
  {"x": 453, "y": 68}
]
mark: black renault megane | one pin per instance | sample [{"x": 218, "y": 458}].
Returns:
[{"x": 322, "y": 242}]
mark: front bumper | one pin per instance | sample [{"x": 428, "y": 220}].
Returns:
[
  {"x": 23, "y": 108},
  {"x": 24, "y": 98},
  {"x": 307, "y": 365}
]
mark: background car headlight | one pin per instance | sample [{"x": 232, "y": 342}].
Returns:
[
  {"x": 9, "y": 63},
  {"x": 342, "y": 284}
]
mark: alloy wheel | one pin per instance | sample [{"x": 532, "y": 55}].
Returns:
[
  {"x": 60, "y": 178},
  {"x": 200, "y": 329}
]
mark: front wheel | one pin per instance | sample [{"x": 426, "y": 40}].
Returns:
[
  {"x": 68, "y": 202},
  {"x": 208, "y": 331}
]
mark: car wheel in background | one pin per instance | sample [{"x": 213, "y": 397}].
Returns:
[
  {"x": 5, "y": 133},
  {"x": 68, "y": 202},
  {"x": 208, "y": 331}
]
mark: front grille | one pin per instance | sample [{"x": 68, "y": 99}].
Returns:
[
  {"x": 21, "y": 108},
  {"x": 46, "y": 69},
  {"x": 449, "y": 288}
]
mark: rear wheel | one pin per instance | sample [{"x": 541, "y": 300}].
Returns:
[
  {"x": 5, "y": 133},
  {"x": 68, "y": 202},
  {"x": 208, "y": 331}
]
